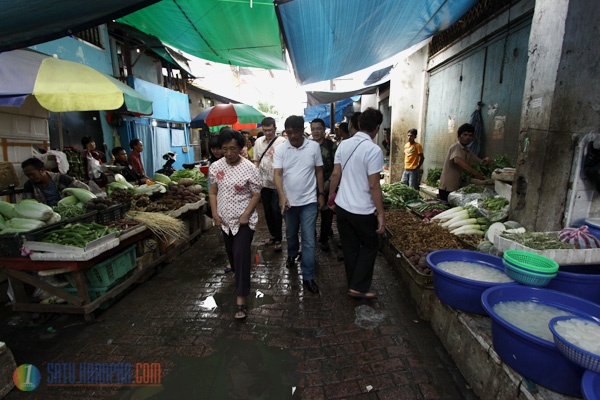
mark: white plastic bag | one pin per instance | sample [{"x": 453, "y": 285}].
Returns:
[
  {"x": 94, "y": 169},
  {"x": 59, "y": 156}
]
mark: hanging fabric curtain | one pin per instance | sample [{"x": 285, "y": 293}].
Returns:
[{"x": 477, "y": 122}]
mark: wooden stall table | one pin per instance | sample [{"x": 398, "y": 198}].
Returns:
[{"x": 19, "y": 272}]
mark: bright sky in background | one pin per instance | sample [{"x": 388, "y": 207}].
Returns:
[
  {"x": 251, "y": 85},
  {"x": 275, "y": 87}
]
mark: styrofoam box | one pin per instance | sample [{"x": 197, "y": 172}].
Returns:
[
  {"x": 66, "y": 256},
  {"x": 196, "y": 205},
  {"x": 561, "y": 256},
  {"x": 503, "y": 189},
  {"x": 60, "y": 248}
]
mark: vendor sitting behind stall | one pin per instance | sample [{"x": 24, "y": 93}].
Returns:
[
  {"x": 459, "y": 158},
  {"x": 130, "y": 174},
  {"x": 44, "y": 186},
  {"x": 92, "y": 159}
]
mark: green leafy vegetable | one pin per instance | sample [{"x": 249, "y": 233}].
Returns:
[
  {"x": 195, "y": 174},
  {"x": 396, "y": 195},
  {"x": 538, "y": 240},
  {"x": 494, "y": 204},
  {"x": 433, "y": 177}
]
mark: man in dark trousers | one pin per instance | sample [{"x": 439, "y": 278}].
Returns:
[
  {"x": 264, "y": 149},
  {"x": 359, "y": 202},
  {"x": 317, "y": 130}
]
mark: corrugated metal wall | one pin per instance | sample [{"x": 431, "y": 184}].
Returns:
[{"x": 493, "y": 73}]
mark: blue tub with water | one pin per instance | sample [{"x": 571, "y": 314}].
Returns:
[
  {"x": 535, "y": 358},
  {"x": 590, "y": 385},
  {"x": 458, "y": 292},
  {"x": 579, "y": 280}
]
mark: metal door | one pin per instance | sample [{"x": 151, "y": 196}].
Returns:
[{"x": 493, "y": 73}]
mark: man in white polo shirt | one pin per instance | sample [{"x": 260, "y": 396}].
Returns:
[
  {"x": 299, "y": 180},
  {"x": 359, "y": 202}
]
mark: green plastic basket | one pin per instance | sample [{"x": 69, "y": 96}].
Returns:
[
  {"x": 109, "y": 271},
  {"x": 526, "y": 278},
  {"x": 97, "y": 292},
  {"x": 528, "y": 271},
  {"x": 531, "y": 261}
]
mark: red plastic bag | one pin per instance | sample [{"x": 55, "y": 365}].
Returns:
[{"x": 579, "y": 237}]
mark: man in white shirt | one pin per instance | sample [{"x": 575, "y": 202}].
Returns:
[
  {"x": 359, "y": 202},
  {"x": 299, "y": 180},
  {"x": 264, "y": 149}
]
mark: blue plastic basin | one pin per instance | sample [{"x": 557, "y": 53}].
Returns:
[
  {"x": 529, "y": 355},
  {"x": 579, "y": 280},
  {"x": 590, "y": 385},
  {"x": 461, "y": 293},
  {"x": 593, "y": 225},
  {"x": 594, "y": 231}
]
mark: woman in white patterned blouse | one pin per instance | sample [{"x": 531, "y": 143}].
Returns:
[{"x": 234, "y": 193}]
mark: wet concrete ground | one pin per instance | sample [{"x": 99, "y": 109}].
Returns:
[{"x": 293, "y": 345}]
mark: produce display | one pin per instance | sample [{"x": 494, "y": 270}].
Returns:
[
  {"x": 25, "y": 216},
  {"x": 67, "y": 211},
  {"x": 396, "y": 195},
  {"x": 433, "y": 177},
  {"x": 416, "y": 238},
  {"x": 78, "y": 235},
  {"x": 123, "y": 224},
  {"x": 469, "y": 189},
  {"x": 100, "y": 203},
  {"x": 194, "y": 174},
  {"x": 494, "y": 204},
  {"x": 462, "y": 221},
  {"x": 538, "y": 240},
  {"x": 486, "y": 170},
  {"x": 163, "y": 226},
  {"x": 429, "y": 208},
  {"x": 169, "y": 199}
]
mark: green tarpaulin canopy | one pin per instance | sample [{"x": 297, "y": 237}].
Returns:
[{"x": 229, "y": 32}]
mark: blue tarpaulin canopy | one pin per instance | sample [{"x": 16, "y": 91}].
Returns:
[
  {"x": 323, "y": 111},
  {"x": 325, "y": 39},
  {"x": 331, "y": 38}
]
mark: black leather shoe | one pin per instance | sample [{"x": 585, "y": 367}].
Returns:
[
  {"x": 311, "y": 285},
  {"x": 290, "y": 263}
]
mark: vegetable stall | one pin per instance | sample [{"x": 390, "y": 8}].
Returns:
[
  {"x": 476, "y": 220},
  {"x": 90, "y": 248}
]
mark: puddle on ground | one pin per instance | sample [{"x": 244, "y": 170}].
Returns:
[
  {"x": 368, "y": 318},
  {"x": 226, "y": 301},
  {"x": 237, "y": 370}
]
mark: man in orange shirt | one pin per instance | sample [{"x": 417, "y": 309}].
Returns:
[{"x": 413, "y": 160}]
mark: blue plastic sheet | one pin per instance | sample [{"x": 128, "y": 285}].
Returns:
[{"x": 331, "y": 38}]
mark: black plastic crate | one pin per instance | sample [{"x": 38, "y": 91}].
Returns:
[
  {"x": 10, "y": 245},
  {"x": 112, "y": 213},
  {"x": 82, "y": 219},
  {"x": 36, "y": 235}
]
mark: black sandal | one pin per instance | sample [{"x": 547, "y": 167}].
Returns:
[
  {"x": 241, "y": 311},
  {"x": 269, "y": 242}
]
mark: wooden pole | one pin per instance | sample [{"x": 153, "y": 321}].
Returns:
[{"x": 60, "y": 132}]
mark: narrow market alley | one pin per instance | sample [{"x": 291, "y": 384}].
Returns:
[{"x": 293, "y": 345}]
